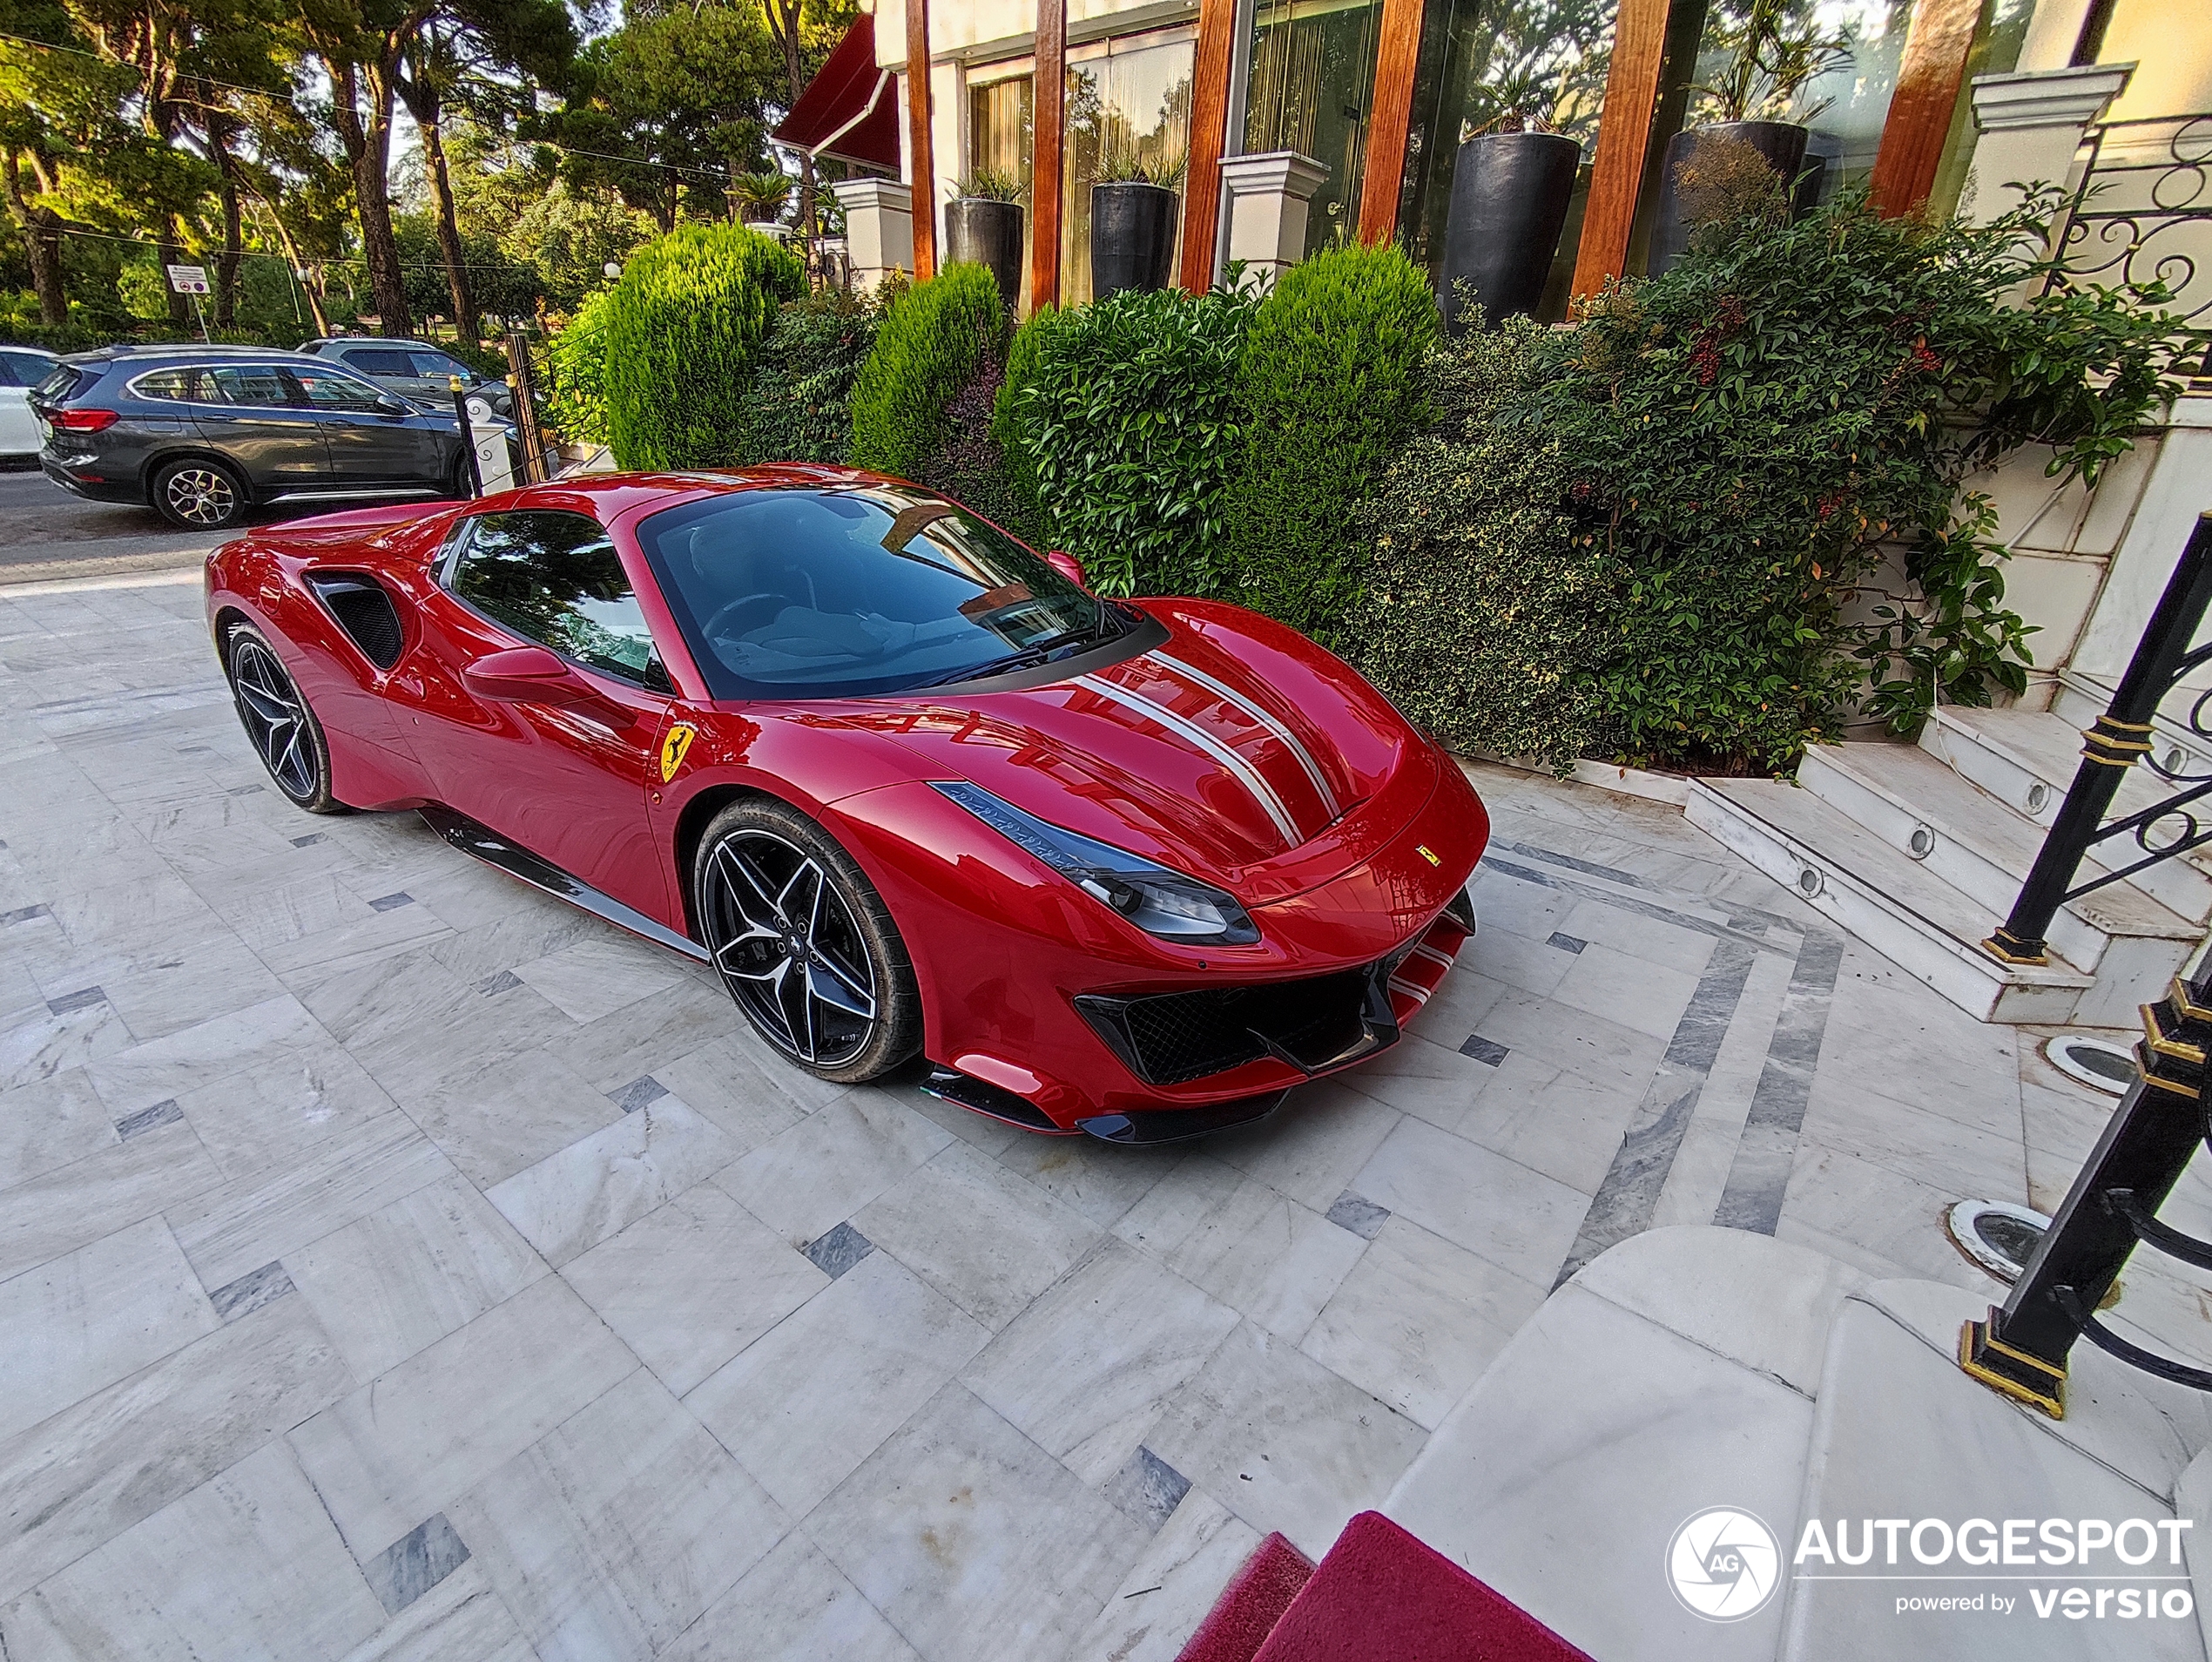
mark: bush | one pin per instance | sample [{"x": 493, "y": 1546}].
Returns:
[
  {"x": 1013, "y": 426},
  {"x": 1483, "y": 614},
  {"x": 1125, "y": 417},
  {"x": 576, "y": 401},
  {"x": 927, "y": 349},
  {"x": 802, "y": 380},
  {"x": 1331, "y": 388},
  {"x": 681, "y": 329}
]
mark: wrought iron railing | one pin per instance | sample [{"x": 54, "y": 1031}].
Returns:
[{"x": 2143, "y": 214}]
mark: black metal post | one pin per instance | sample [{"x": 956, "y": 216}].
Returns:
[
  {"x": 532, "y": 437},
  {"x": 2022, "y": 1348},
  {"x": 2111, "y": 744},
  {"x": 467, "y": 436}
]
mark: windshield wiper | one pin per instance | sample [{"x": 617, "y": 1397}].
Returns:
[{"x": 1064, "y": 643}]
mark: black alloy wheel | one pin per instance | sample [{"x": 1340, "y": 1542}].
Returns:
[
  {"x": 278, "y": 725},
  {"x": 805, "y": 944}
]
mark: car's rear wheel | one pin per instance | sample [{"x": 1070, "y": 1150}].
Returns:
[
  {"x": 803, "y": 942},
  {"x": 199, "y": 494},
  {"x": 278, "y": 725}
]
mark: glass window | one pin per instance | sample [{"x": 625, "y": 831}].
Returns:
[
  {"x": 381, "y": 361},
  {"x": 22, "y": 368},
  {"x": 437, "y": 363},
  {"x": 326, "y": 389},
  {"x": 165, "y": 383},
  {"x": 555, "y": 579},
  {"x": 1312, "y": 80},
  {"x": 814, "y": 593},
  {"x": 260, "y": 384}
]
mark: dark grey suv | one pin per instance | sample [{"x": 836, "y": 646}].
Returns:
[{"x": 202, "y": 434}]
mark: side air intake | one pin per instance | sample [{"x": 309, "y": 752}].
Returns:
[{"x": 367, "y": 615}]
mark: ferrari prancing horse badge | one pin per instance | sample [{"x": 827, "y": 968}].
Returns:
[{"x": 674, "y": 747}]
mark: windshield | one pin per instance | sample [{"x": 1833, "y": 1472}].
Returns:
[{"x": 814, "y": 592}]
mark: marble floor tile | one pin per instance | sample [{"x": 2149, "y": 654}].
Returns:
[
  {"x": 1281, "y": 1441},
  {"x": 1964, "y": 1070},
  {"x": 1418, "y": 1320},
  {"x": 808, "y": 1402},
  {"x": 616, "y": 1048},
  {"x": 1257, "y": 1251},
  {"x": 612, "y": 1533},
  {"x": 392, "y": 1284},
  {"x": 75, "y": 1204},
  {"x": 1313, "y": 1145},
  {"x": 568, "y": 1202},
  {"x": 1591, "y": 1046},
  {"x": 805, "y": 1182},
  {"x": 1430, "y": 1081},
  {"x": 84, "y": 1475},
  {"x": 502, "y": 928},
  {"x": 1565, "y": 1126},
  {"x": 505, "y": 1115},
  {"x": 690, "y": 1285},
  {"x": 1098, "y": 1180},
  {"x": 1172, "y": 1585},
  {"x": 173, "y": 1066},
  {"x": 461, "y": 1617},
  {"x": 974, "y": 1542},
  {"x": 228, "y": 1231},
  {"x": 38, "y": 1046},
  {"x": 749, "y": 1093},
  {"x": 985, "y": 1238},
  {"x": 421, "y": 1030},
  {"x": 182, "y": 987},
  {"x": 393, "y": 1452},
  {"x": 1838, "y": 1195},
  {"x": 1915, "y": 1142},
  {"x": 1083, "y": 1371},
  {"x": 2064, "y": 1122},
  {"x": 602, "y": 973},
  {"x": 792, "y": 1607},
  {"x": 49, "y": 1123},
  {"x": 272, "y": 904},
  {"x": 1517, "y": 960},
  {"x": 76, "y": 1324},
  {"x": 1643, "y": 997},
  {"x": 1515, "y": 1217},
  {"x": 278, "y": 1112},
  {"x": 1647, "y": 940},
  {"x": 245, "y": 1567}
]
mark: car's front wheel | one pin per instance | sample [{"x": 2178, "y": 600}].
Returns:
[
  {"x": 199, "y": 494},
  {"x": 803, "y": 942},
  {"x": 282, "y": 728}
]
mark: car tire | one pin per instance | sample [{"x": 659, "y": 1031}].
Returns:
[
  {"x": 279, "y": 723},
  {"x": 462, "y": 486},
  {"x": 199, "y": 494},
  {"x": 804, "y": 943}
]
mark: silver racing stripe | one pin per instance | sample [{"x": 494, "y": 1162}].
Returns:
[
  {"x": 1246, "y": 775},
  {"x": 1280, "y": 730}
]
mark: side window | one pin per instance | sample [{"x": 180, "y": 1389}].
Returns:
[
  {"x": 173, "y": 384},
  {"x": 326, "y": 389},
  {"x": 437, "y": 363},
  {"x": 258, "y": 384},
  {"x": 380, "y": 361},
  {"x": 555, "y": 579}
]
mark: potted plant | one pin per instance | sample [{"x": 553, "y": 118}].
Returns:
[
  {"x": 1775, "y": 51},
  {"x": 1512, "y": 183},
  {"x": 984, "y": 224},
  {"x": 760, "y": 198},
  {"x": 1132, "y": 223}
]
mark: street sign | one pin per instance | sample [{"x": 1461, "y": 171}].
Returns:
[{"x": 188, "y": 280}]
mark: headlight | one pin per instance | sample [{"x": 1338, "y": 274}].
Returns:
[{"x": 1157, "y": 901}]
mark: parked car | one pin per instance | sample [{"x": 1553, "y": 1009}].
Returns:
[
  {"x": 1127, "y": 869},
  {"x": 22, "y": 367},
  {"x": 419, "y": 371},
  {"x": 203, "y": 433}
]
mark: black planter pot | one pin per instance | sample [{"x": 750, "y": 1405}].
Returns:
[
  {"x": 1132, "y": 236},
  {"x": 988, "y": 234},
  {"x": 1509, "y": 196},
  {"x": 1782, "y": 143}
]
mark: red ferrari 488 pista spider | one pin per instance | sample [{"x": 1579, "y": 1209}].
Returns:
[{"x": 1130, "y": 867}]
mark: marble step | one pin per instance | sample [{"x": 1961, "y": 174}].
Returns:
[
  {"x": 1888, "y": 899},
  {"x": 1967, "y": 838},
  {"x": 2078, "y": 700},
  {"x": 2026, "y": 759}
]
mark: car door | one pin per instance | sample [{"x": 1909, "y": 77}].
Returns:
[
  {"x": 375, "y": 439},
  {"x": 253, "y": 414},
  {"x": 568, "y": 781},
  {"x": 19, "y": 372},
  {"x": 392, "y": 368}
]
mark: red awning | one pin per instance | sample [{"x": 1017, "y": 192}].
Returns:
[{"x": 849, "y": 110}]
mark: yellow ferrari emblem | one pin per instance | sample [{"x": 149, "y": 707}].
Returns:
[
  {"x": 678, "y": 742},
  {"x": 1427, "y": 854}
]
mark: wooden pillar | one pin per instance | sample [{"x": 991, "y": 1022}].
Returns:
[
  {"x": 1209, "y": 76},
  {"x": 918, "y": 140},
  {"x": 1623, "y": 135},
  {"x": 1928, "y": 79},
  {"x": 1397, "y": 55},
  {"x": 1048, "y": 120}
]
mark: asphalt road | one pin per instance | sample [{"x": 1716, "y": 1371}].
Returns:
[{"x": 43, "y": 526}]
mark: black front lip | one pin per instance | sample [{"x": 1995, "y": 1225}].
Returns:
[{"x": 1153, "y": 1127}]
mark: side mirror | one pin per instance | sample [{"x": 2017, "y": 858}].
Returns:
[
  {"x": 388, "y": 405},
  {"x": 1068, "y": 565},
  {"x": 533, "y": 675}
]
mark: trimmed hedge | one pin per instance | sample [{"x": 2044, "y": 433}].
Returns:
[
  {"x": 682, "y": 328},
  {"x": 1330, "y": 389},
  {"x": 928, "y": 349},
  {"x": 803, "y": 376},
  {"x": 1013, "y": 426}
]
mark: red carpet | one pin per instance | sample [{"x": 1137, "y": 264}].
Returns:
[
  {"x": 1379, "y": 1596},
  {"x": 1251, "y": 1604}
]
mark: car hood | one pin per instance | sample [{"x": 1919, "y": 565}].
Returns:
[{"x": 1238, "y": 751}]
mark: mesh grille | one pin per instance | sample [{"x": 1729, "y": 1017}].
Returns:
[
  {"x": 365, "y": 612},
  {"x": 1171, "y": 1038}
]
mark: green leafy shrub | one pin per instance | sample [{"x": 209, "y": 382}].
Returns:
[
  {"x": 927, "y": 351},
  {"x": 1331, "y": 388},
  {"x": 803, "y": 376},
  {"x": 968, "y": 464},
  {"x": 1126, "y": 415},
  {"x": 1013, "y": 422},
  {"x": 575, "y": 403},
  {"x": 682, "y": 327},
  {"x": 1484, "y": 613}
]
